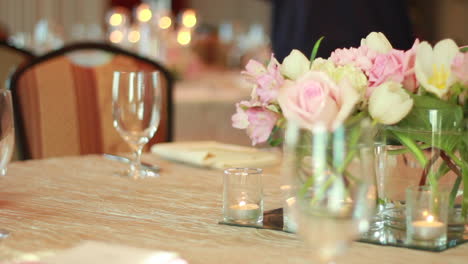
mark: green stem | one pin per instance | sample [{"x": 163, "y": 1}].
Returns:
[
  {"x": 413, "y": 147},
  {"x": 454, "y": 191},
  {"x": 407, "y": 150},
  {"x": 460, "y": 163},
  {"x": 354, "y": 139},
  {"x": 464, "y": 172},
  {"x": 465, "y": 192},
  {"x": 303, "y": 191},
  {"x": 443, "y": 170},
  {"x": 321, "y": 192}
]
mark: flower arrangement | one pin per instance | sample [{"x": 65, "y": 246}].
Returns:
[{"x": 394, "y": 88}]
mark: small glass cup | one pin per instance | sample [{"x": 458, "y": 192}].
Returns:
[
  {"x": 243, "y": 196},
  {"x": 426, "y": 216}
]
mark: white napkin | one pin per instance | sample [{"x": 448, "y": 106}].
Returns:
[
  {"x": 214, "y": 154},
  {"x": 96, "y": 252}
]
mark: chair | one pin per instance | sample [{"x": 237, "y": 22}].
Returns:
[
  {"x": 12, "y": 58},
  {"x": 63, "y": 100}
]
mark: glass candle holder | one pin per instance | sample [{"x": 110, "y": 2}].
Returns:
[
  {"x": 243, "y": 196},
  {"x": 426, "y": 216}
]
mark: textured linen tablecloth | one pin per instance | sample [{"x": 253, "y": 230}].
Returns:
[{"x": 53, "y": 204}]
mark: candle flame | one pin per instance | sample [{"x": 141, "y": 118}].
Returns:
[
  {"x": 242, "y": 203},
  {"x": 430, "y": 218},
  {"x": 425, "y": 213}
]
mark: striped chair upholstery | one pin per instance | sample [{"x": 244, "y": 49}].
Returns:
[{"x": 64, "y": 101}]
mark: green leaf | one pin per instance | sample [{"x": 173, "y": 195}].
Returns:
[
  {"x": 274, "y": 140},
  {"x": 315, "y": 50},
  {"x": 433, "y": 121},
  {"x": 464, "y": 49},
  {"x": 412, "y": 146}
]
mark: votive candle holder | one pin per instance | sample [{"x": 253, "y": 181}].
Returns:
[
  {"x": 243, "y": 196},
  {"x": 427, "y": 216}
]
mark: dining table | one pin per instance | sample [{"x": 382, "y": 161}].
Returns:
[{"x": 53, "y": 204}]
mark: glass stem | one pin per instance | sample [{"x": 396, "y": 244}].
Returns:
[{"x": 135, "y": 167}]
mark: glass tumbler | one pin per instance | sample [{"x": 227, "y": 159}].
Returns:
[
  {"x": 426, "y": 216},
  {"x": 243, "y": 196}
]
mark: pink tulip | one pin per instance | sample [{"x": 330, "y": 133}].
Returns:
[
  {"x": 460, "y": 67},
  {"x": 256, "y": 119},
  {"x": 267, "y": 80},
  {"x": 261, "y": 123},
  {"x": 314, "y": 99},
  {"x": 240, "y": 119},
  {"x": 410, "y": 82}
]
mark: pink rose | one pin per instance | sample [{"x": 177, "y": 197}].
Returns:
[
  {"x": 410, "y": 82},
  {"x": 315, "y": 99},
  {"x": 267, "y": 80},
  {"x": 386, "y": 67},
  {"x": 460, "y": 67},
  {"x": 256, "y": 119},
  {"x": 362, "y": 57}
]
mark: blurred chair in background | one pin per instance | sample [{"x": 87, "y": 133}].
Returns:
[
  {"x": 12, "y": 58},
  {"x": 63, "y": 100},
  {"x": 3, "y": 32}
]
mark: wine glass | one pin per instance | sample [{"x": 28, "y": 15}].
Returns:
[
  {"x": 7, "y": 136},
  {"x": 136, "y": 102},
  {"x": 331, "y": 185}
]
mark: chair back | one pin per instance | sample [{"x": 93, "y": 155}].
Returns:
[
  {"x": 12, "y": 59},
  {"x": 63, "y": 100}
]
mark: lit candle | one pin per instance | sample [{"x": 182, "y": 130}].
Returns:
[
  {"x": 244, "y": 211},
  {"x": 428, "y": 229}
]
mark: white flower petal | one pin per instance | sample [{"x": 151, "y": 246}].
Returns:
[
  {"x": 389, "y": 103},
  {"x": 295, "y": 65}
]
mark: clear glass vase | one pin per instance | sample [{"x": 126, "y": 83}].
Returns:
[
  {"x": 430, "y": 153},
  {"x": 331, "y": 190}
]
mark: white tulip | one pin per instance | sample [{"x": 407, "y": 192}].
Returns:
[
  {"x": 378, "y": 42},
  {"x": 295, "y": 65},
  {"x": 433, "y": 66},
  {"x": 389, "y": 103}
]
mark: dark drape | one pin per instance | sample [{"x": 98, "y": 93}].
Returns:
[{"x": 297, "y": 24}]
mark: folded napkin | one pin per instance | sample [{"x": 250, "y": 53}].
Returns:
[
  {"x": 216, "y": 155},
  {"x": 98, "y": 252}
]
